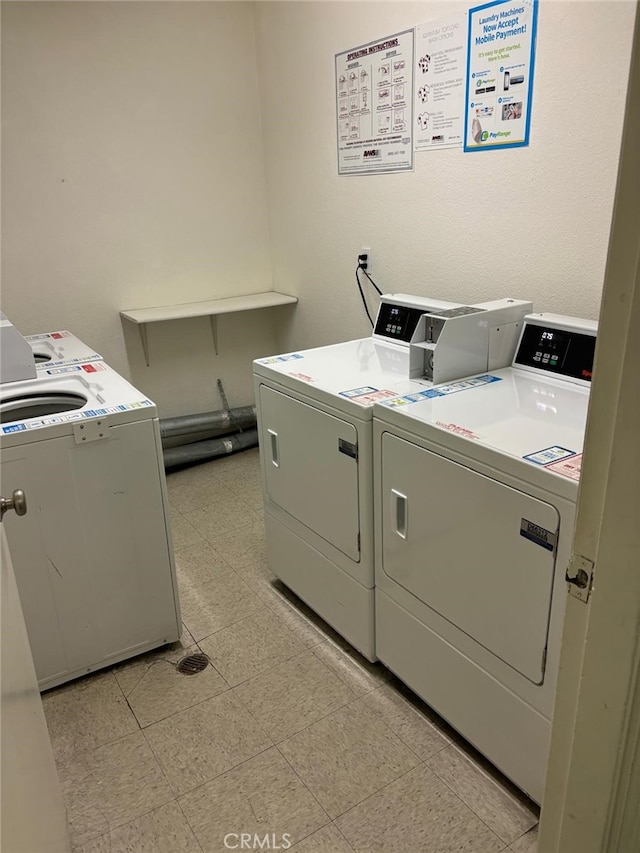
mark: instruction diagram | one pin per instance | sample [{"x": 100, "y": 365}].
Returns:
[
  {"x": 374, "y": 106},
  {"x": 499, "y": 79},
  {"x": 439, "y": 83}
]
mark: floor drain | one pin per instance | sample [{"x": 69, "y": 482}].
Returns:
[{"x": 192, "y": 664}]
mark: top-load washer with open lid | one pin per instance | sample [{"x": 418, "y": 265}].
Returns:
[{"x": 93, "y": 556}]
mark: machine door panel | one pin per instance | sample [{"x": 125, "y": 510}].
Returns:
[
  {"x": 476, "y": 551},
  {"x": 311, "y": 469},
  {"x": 92, "y": 556}
]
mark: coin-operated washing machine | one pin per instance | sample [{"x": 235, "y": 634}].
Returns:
[
  {"x": 314, "y": 422},
  {"x": 58, "y": 349},
  {"x": 93, "y": 556},
  {"x": 475, "y": 495}
]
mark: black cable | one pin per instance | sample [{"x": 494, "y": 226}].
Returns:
[
  {"x": 371, "y": 280},
  {"x": 364, "y": 301}
]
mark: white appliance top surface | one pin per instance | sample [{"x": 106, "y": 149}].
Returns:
[
  {"x": 518, "y": 414},
  {"x": 62, "y": 348},
  {"x": 352, "y": 375},
  {"x": 105, "y": 391}
]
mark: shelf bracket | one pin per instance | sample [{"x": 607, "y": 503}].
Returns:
[
  {"x": 213, "y": 320},
  {"x": 142, "y": 328}
]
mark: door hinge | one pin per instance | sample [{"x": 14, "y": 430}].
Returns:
[{"x": 579, "y": 577}]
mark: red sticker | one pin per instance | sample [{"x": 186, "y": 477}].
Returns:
[
  {"x": 567, "y": 467},
  {"x": 458, "y": 430},
  {"x": 56, "y": 335}
]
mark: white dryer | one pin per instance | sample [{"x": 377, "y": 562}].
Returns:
[
  {"x": 57, "y": 349},
  {"x": 93, "y": 556},
  {"x": 315, "y": 430},
  {"x": 475, "y": 493}
]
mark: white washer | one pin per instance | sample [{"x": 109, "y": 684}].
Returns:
[
  {"x": 315, "y": 430},
  {"x": 475, "y": 499},
  {"x": 57, "y": 349},
  {"x": 93, "y": 556}
]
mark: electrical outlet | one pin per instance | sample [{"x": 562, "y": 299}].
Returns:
[{"x": 365, "y": 263}]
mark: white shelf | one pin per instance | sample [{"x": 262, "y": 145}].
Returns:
[{"x": 211, "y": 308}]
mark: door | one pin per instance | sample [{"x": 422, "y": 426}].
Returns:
[
  {"x": 479, "y": 553},
  {"x": 33, "y": 812},
  {"x": 311, "y": 468}
]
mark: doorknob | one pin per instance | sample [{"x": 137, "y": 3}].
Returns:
[{"x": 17, "y": 501}]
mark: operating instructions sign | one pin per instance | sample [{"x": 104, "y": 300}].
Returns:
[
  {"x": 501, "y": 44},
  {"x": 374, "y": 106}
]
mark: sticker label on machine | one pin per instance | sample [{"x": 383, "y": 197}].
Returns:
[
  {"x": 541, "y": 536},
  {"x": 75, "y": 416},
  {"x": 367, "y": 396},
  {"x": 568, "y": 467},
  {"x": 96, "y": 367},
  {"x": 277, "y": 358},
  {"x": 54, "y": 335},
  {"x": 442, "y": 390},
  {"x": 549, "y": 455}
]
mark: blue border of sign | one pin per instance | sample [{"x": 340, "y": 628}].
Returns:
[{"x": 532, "y": 62}]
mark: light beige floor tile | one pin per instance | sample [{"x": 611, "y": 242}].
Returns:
[
  {"x": 347, "y": 756},
  {"x": 183, "y": 533},
  {"x": 361, "y": 675},
  {"x": 198, "y": 564},
  {"x": 162, "y": 831},
  {"x": 162, "y": 691},
  {"x": 262, "y": 796},
  {"x": 111, "y": 785},
  {"x": 86, "y": 714},
  {"x": 507, "y": 814},
  {"x": 254, "y": 499},
  {"x": 225, "y": 514},
  {"x": 293, "y": 695},
  {"x": 204, "y": 741},
  {"x": 244, "y": 480},
  {"x": 259, "y": 578},
  {"x": 195, "y": 489},
  {"x": 129, "y": 673},
  {"x": 416, "y": 813},
  {"x": 527, "y": 843},
  {"x": 239, "y": 550},
  {"x": 215, "y": 605},
  {"x": 412, "y": 727},
  {"x": 251, "y": 646},
  {"x": 329, "y": 839},
  {"x": 305, "y": 624}
]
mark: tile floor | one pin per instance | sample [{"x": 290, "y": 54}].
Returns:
[{"x": 288, "y": 733}]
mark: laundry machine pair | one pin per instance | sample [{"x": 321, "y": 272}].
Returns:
[
  {"x": 475, "y": 495},
  {"x": 93, "y": 556},
  {"x": 315, "y": 427}
]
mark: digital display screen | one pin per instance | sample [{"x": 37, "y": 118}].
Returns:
[
  {"x": 558, "y": 351},
  {"x": 397, "y": 322}
]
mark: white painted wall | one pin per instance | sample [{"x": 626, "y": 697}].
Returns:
[
  {"x": 529, "y": 223},
  {"x": 133, "y": 175},
  {"x": 137, "y": 139}
]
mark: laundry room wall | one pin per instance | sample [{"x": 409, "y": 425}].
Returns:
[
  {"x": 531, "y": 222},
  {"x": 133, "y": 176}
]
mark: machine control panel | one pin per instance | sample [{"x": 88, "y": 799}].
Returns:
[
  {"x": 560, "y": 351},
  {"x": 397, "y": 322}
]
